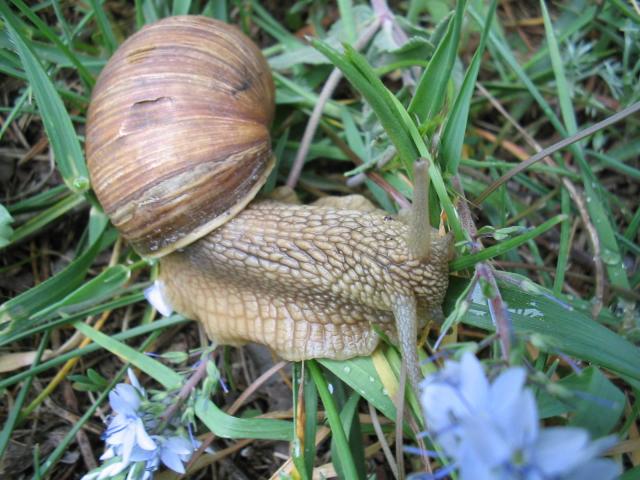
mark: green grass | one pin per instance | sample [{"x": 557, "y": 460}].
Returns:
[{"x": 568, "y": 271}]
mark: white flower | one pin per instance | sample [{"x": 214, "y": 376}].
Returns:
[
  {"x": 491, "y": 430},
  {"x": 156, "y": 295},
  {"x": 106, "y": 471}
]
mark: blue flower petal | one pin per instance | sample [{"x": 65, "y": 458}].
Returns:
[
  {"x": 172, "y": 460},
  {"x": 505, "y": 389},
  {"x": 600, "y": 445},
  {"x": 597, "y": 469},
  {"x": 178, "y": 445},
  {"x": 124, "y": 399},
  {"x": 134, "y": 381},
  {"x": 108, "y": 453},
  {"x": 472, "y": 467},
  {"x": 473, "y": 382},
  {"x": 114, "y": 432},
  {"x": 128, "y": 441},
  {"x": 112, "y": 470},
  {"x": 560, "y": 449},
  {"x": 482, "y": 443},
  {"x": 143, "y": 440},
  {"x": 517, "y": 419},
  {"x": 141, "y": 455},
  {"x": 491, "y": 431}
]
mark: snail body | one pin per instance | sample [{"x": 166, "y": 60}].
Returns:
[
  {"x": 309, "y": 281},
  {"x": 177, "y": 176}
]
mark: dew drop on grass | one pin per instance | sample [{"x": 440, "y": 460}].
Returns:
[
  {"x": 347, "y": 369},
  {"x": 81, "y": 183},
  {"x": 610, "y": 257}
]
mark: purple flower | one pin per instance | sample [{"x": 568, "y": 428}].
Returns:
[{"x": 490, "y": 430}]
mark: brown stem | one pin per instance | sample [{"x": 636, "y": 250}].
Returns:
[
  {"x": 373, "y": 176},
  {"x": 186, "y": 390},
  {"x": 329, "y": 86},
  {"x": 383, "y": 441},
  {"x": 400, "y": 420},
  {"x": 575, "y": 194},
  {"x": 499, "y": 312}
]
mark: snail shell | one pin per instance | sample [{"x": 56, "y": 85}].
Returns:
[{"x": 178, "y": 131}]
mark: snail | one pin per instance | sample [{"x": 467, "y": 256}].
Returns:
[{"x": 178, "y": 147}]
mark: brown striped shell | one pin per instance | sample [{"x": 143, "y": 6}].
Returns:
[{"x": 178, "y": 131}]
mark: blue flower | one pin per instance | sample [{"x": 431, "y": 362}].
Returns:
[
  {"x": 173, "y": 452},
  {"x": 126, "y": 429},
  {"x": 490, "y": 430},
  {"x": 131, "y": 449}
]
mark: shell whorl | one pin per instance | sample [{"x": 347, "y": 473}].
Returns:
[{"x": 178, "y": 131}]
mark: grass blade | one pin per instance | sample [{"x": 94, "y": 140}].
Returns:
[
  {"x": 160, "y": 373},
  {"x": 51, "y": 35},
  {"x": 310, "y": 428},
  {"x": 599, "y": 216},
  {"x": 109, "y": 39},
  {"x": 454, "y": 130},
  {"x": 227, "y": 426},
  {"x": 337, "y": 431},
  {"x": 360, "y": 374},
  {"x": 556, "y": 328},
  {"x": 503, "y": 247},
  {"x": 15, "y": 313},
  {"x": 44, "y": 218},
  {"x": 396, "y": 121},
  {"x": 180, "y": 7},
  {"x": 57, "y": 123},
  {"x": 431, "y": 90},
  {"x": 378, "y": 97},
  {"x": 14, "y": 413},
  {"x": 158, "y": 325}
]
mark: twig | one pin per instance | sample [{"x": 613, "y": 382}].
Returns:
[
  {"x": 327, "y": 90},
  {"x": 187, "y": 388},
  {"x": 191, "y": 466},
  {"x": 575, "y": 194},
  {"x": 383, "y": 441},
  {"x": 616, "y": 117},
  {"x": 400, "y": 420},
  {"x": 498, "y": 310},
  {"x": 373, "y": 176},
  {"x": 497, "y": 307},
  {"x": 258, "y": 382}
]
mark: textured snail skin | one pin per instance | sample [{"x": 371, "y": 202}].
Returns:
[{"x": 306, "y": 280}]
